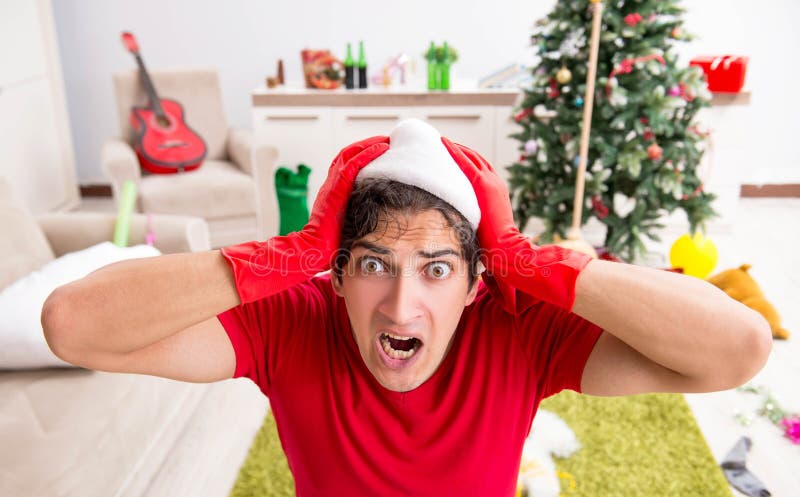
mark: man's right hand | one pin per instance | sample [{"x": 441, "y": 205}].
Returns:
[{"x": 264, "y": 268}]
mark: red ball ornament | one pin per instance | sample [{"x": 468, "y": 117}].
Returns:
[
  {"x": 552, "y": 89},
  {"x": 654, "y": 151},
  {"x": 599, "y": 208},
  {"x": 632, "y": 19},
  {"x": 519, "y": 116},
  {"x": 648, "y": 135}
]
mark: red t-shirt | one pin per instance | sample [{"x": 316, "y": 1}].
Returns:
[{"x": 459, "y": 433}]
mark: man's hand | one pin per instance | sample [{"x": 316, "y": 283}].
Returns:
[
  {"x": 547, "y": 273},
  {"x": 261, "y": 269}
]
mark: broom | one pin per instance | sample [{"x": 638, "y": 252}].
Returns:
[{"x": 574, "y": 239}]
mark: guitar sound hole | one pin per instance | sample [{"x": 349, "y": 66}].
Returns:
[{"x": 163, "y": 121}]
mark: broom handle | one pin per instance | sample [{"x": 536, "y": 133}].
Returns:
[{"x": 588, "y": 103}]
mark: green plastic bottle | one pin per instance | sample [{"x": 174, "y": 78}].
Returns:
[
  {"x": 444, "y": 69},
  {"x": 349, "y": 70},
  {"x": 362, "y": 66},
  {"x": 433, "y": 68}
]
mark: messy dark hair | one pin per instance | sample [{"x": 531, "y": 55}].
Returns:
[{"x": 375, "y": 202}]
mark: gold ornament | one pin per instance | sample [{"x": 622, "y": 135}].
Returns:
[{"x": 563, "y": 75}]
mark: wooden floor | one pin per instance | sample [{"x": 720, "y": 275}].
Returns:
[{"x": 765, "y": 234}]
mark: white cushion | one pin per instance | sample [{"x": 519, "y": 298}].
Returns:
[{"x": 22, "y": 343}]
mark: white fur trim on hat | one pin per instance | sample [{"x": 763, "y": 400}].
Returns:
[{"x": 417, "y": 157}]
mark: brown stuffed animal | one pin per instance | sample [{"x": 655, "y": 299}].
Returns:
[{"x": 742, "y": 287}]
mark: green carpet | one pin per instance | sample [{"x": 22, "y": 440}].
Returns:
[{"x": 643, "y": 445}]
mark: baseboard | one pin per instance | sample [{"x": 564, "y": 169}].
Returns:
[
  {"x": 96, "y": 190},
  {"x": 778, "y": 190}
]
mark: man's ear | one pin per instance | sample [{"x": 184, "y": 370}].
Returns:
[
  {"x": 472, "y": 293},
  {"x": 336, "y": 283}
]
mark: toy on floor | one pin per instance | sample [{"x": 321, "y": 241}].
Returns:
[
  {"x": 696, "y": 254},
  {"x": 741, "y": 286},
  {"x": 550, "y": 436}
]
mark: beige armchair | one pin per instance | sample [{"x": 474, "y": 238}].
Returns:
[{"x": 234, "y": 189}]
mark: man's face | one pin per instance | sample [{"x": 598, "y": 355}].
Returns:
[{"x": 405, "y": 289}]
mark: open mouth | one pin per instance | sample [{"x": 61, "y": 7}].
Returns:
[{"x": 399, "y": 347}]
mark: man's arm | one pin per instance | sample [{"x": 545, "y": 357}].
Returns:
[
  {"x": 153, "y": 316},
  {"x": 157, "y": 316},
  {"x": 665, "y": 332}
]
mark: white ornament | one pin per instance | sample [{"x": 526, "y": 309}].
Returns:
[
  {"x": 572, "y": 43},
  {"x": 571, "y": 148},
  {"x": 618, "y": 98},
  {"x": 623, "y": 205}
]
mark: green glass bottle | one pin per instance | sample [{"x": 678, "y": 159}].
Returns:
[
  {"x": 349, "y": 70},
  {"x": 444, "y": 68},
  {"x": 362, "y": 66},
  {"x": 433, "y": 68}
]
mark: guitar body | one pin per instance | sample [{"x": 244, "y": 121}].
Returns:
[{"x": 166, "y": 145}]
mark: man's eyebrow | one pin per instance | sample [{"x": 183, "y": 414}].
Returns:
[
  {"x": 438, "y": 253},
  {"x": 372, "y": 246}
]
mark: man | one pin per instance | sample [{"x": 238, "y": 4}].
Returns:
[{"x": 401, "y": 372}]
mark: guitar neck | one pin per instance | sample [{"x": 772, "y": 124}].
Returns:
[{"x": 155, "y": 103}]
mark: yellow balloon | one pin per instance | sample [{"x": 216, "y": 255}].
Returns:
[{"x": 696, "y": 254}]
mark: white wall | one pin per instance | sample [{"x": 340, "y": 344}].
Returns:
[
  {"x": 245, "y": 38},
  {"x": 767, "y": 130}
]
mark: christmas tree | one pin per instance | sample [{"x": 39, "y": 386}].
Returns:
[{"x": 645, "y": 146}]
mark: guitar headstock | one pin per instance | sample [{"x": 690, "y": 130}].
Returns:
[{"x": 130, "y": 42}]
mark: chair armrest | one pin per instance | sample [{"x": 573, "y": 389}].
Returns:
[
  {"x": 258, "y": 161},
  {"x": 239, "y": 147},
  {"x": 72, "y": 231},
  {"x": 267, "y": 213},
  {"x": 120, "y": 164}
]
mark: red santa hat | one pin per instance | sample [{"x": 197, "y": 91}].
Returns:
[{"x": 417, "y": 157}]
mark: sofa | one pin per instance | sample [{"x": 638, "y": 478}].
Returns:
[{"x": 75, "y": 432}]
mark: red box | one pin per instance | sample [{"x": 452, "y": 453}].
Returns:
[{"x": 724, "y": 73}]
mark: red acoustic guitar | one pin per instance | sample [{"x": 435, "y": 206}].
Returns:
[{"x": 164, "y": 142}]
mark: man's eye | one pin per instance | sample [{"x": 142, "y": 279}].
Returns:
[
  {"x": 370, "y": 265},
  {"x": 439, "y": 270}
]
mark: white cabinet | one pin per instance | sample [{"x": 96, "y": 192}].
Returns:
[
  {"x": 314, "y": 134},
  {"x": 302, "y": 135},
  {"x": 35, "y": 143},
  {"x": 30, "y": 145},
  {"x": 352, "y": 124},
  {"x": 22, "y": 50},
  {"x": 506, "y": 149},
  {"x": 470, "y": 126}
]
